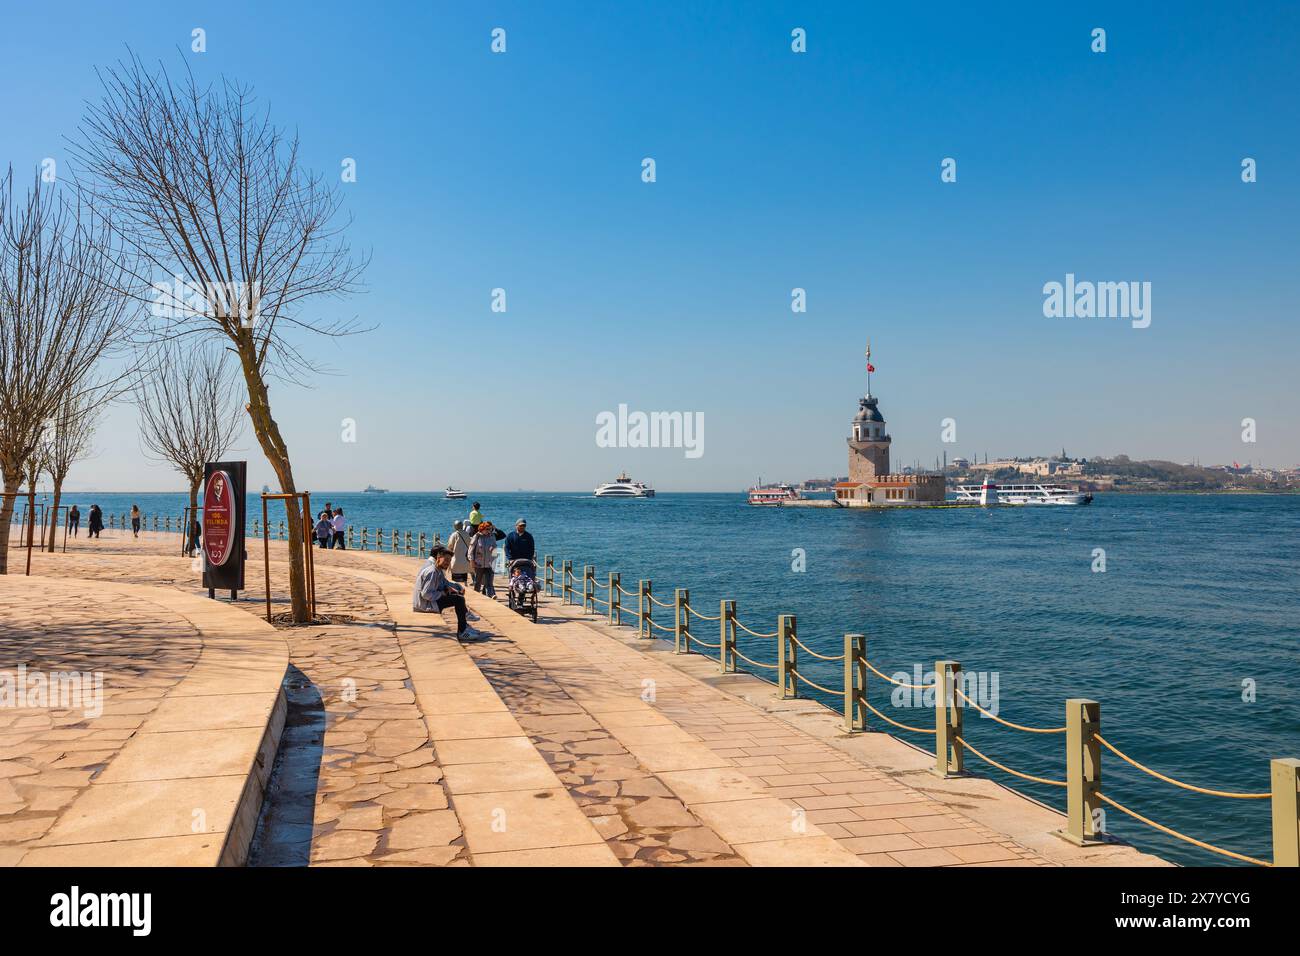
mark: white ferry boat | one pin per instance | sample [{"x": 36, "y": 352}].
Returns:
[
  {"x": 762, "y": 494},
  {"x": 372, "y": 490},
  {"x": 624, "y": 487},
  {"x": 453, "y": 493},
  {"x": 1035, "y": 494}
]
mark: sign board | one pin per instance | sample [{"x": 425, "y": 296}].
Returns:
[{"x": 222, "y": 516}]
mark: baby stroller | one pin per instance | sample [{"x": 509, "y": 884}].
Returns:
[{"x": 522, "y": 593}]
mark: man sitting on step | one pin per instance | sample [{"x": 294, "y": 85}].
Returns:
[{"x": 435, "y": 592}]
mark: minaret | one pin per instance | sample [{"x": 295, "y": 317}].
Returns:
[{"x": 868, "y": 440}]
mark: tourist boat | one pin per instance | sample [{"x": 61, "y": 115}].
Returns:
[
  {"x": 762, "y": 494},
  {"x": 453, "y": 493},
  {"x": 625, "y": 487},
  {"x": 1026, "y": 494},
  {"x": 372, "y": 490}
]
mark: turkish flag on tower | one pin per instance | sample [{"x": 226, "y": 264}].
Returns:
[{"x": 870, "y": 367}]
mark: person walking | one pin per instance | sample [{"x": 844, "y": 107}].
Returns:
[
  {"x": 96, "y": 522},
  {"x": 340, "y": 526},
  {"x": 459, "y": 545},
  {"x": 519, "y": 544},
  {"x": 196, "y": 533},
  {"x": 433, "y": 593},
  {"x": 483, "y": 553},
  {"x": 135, "y": 520},
  {"x": 74, "y": 520},
  {"x": 324, "y": 530}
]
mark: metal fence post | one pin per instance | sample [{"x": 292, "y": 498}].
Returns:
[
  {"x": 643, "y": 609},
  {"x": 681, "y": 628},
  {"x": 1286, "y": 811},
  {"x": 948, "y": 754},
  {"x": 787, "y": 656},
  {"x": 614, "y": 589},
  {"x": 727, "y": 636},
  {"x": 1082, "y": 770},
  {"x": 855, "y": 682},
  {"x": 548, "y": 575},
  {"x": 567, "y": 581},
  {"x": 588, "y": 589}
]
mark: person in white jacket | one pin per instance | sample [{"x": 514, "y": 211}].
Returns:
[{"x": 459, "y": 545}]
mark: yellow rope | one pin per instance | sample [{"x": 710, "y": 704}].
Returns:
[
  {"x": 1178, "y": 783},
  {"x": 820, "y": 657},
  {"x": 655, "y": 600},
  {"x": 596, "y": 600},
  {"x": 703, "y": 617},
  {"x": 1014, "y": 773},
  {"x": 748, "y": 631},
  {"x": 889, "y": 720},
  {"x": 1182, "y": 836},
  {"x": 1028, "y": 730},
  {"x": 696, "y": 640},
  {"x": 659, "y": 626},
  {"x": 750, "y": 660},
  {"x": 898, "y": 683},
  {"x": 824, "y": 690}
]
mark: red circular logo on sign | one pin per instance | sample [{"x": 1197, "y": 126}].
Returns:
[{"x": 218, "y": 518}]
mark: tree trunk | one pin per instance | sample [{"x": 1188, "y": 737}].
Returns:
[
  {"x": 54, "y": 513},
  {"x": 194, "y": 516},
  {"x": 6, "y": 519},
  {"x": 277, "y": 454}
]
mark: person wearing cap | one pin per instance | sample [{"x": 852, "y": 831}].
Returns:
[
  {"x": 459, "y": 543},
  {"x": 434, "y": 593},
  {"x": 519, "y": 544}
]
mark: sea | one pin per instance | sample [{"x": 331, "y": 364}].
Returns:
[{"x": 1180, "y": 614}]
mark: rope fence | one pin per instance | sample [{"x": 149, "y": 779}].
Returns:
[{"x": 1082, "y": 728}]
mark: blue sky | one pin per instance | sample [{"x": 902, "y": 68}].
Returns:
[{"x": 775, "y": 170}]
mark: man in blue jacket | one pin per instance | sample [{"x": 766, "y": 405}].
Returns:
[{"x": 519, "y": 544}]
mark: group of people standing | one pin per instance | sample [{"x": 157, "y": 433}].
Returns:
[
  {"x": 471, "y": 549},
  {"x": 331, "y": 528},
  {"x": 94, "y": 522}
]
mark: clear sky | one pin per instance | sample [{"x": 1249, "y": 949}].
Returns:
[{"x": 775, "y": 170}]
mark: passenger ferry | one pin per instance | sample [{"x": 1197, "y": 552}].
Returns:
[
  {"x": 1023, "y": 494},
  {"x": 453, "y": 493},
  {"x": 624, "y": 487},
  {"x": 762, "y": 494},
  {"x": 372, "y": 490}
]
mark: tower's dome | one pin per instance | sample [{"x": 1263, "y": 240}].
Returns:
[{"x": 867, "y": 410}]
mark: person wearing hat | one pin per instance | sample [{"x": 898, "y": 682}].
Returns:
[
  {"x": 434, "y": 593},
  {"x": 459, "y": 543},
  {"x": 482, "y": 555},
  {"x": 519, "y": 544}
]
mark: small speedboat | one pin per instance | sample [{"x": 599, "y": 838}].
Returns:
[{"x": 453, "y": 493}]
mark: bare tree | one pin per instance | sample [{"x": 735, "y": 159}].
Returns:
[
  {"x": 214, "y": 196},
  {"x": 189, "y": 410},
  {"x": 68, "y": 442},
  {"x": 64, "y": 305}
]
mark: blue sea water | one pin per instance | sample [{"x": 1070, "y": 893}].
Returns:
[{"x": 1197, "y": 606}]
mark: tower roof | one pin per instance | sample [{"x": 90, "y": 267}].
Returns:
[{"x": 868, "y": 410}]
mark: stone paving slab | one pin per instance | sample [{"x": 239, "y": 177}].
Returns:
[{"x": 152, "y": 778}]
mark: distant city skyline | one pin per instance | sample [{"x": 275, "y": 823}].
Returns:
[{"x": 780, "y": 178}]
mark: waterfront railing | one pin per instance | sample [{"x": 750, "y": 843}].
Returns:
[{"x": 1082, "y": 728}]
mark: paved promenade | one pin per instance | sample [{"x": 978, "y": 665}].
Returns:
[{"x": 563, "y": 742}]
